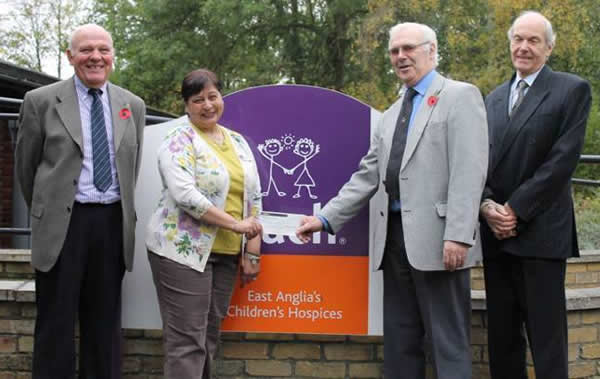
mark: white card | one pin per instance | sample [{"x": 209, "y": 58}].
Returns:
[{"x": 279, "y": 223}]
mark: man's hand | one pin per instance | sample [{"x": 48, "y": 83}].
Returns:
[
  {"x": 510, "y": 211},
  {"x": 501, "y": 219},
  {"x": 455, "y": 255},
  {"x": 308, "y": 225}
]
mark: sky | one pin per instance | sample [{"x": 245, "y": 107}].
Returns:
[{"x": 49, "y": 64}]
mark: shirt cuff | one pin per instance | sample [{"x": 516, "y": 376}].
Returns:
[
  {"x": 485, "y": 204},
  {"x": 326, "y": 226}
]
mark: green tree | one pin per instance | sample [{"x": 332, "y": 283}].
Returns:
[
  {"x": 473, "y": 44},
  {"x": 36, "y": 32},
  {"x": 26, "y": 43},
  {"x": 247, "y": 43}
]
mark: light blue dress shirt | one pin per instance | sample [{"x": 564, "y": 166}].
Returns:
[
  {"x": 86, "y": 190},
  {"x": 513, "y": 87},
  {"x": 421, "y": 87}
]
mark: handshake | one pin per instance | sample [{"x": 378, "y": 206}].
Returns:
[{"x": 279, "y": 223}]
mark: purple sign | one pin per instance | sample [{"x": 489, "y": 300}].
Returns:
[{"x": 307, "y": 142}]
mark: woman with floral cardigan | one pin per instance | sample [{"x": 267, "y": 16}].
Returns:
[{"x": 204, "y": 220}]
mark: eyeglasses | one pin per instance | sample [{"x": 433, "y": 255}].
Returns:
[{"x": 406, "y": 49}]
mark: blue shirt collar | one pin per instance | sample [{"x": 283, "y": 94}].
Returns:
[
  {"x": 529, "y": 79},
  {"x": 83, "y": 89},
  {"x": 423, "y": 85}
]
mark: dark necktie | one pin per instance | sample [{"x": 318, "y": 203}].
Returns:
[
  {"x": 398, "y": 145},
  {"x": 521, "y": 87},
  {"x": 100, "y": 153}
]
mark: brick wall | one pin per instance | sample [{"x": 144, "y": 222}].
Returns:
[
  {"x": 250, "y": 355},
  {"x": 6, "y": 181},
  {"x": 255, "y": 355},
  {"x": 583, "y": 272}
]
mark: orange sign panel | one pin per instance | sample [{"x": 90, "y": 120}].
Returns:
[{"x": 303, "y": 294}]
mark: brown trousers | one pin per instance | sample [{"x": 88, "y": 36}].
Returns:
[{"x": 192, "y": 306}]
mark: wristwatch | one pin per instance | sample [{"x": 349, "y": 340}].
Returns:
[{"x": 253, "y": 258}]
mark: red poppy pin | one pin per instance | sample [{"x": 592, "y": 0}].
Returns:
[
  {"x": 124, "y": 113},
  {"x": 432, "y": 100}
]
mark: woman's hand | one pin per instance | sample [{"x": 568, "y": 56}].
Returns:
[
  {"x": 248, "y": 226},
  {"x": 249, "y": 268}
]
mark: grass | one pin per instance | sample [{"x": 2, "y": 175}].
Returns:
[{"x": 587, "y": 216}]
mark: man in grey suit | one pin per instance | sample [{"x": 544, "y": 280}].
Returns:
[
  {"x": 429, "y": 151},
  {"x": 77, "y": 155}
]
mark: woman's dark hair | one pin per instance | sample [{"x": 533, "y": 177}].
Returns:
[{"x": 196, "y": 80}]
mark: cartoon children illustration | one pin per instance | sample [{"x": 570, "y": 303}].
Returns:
[
  {"x": 306, "y": 149},
  {"x": 270, "y": 149}
]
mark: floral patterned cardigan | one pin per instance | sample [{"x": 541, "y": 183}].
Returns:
[{"x": 194, "y": 179}]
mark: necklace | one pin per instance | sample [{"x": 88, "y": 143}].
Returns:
[{"x": 215, "y": 134}]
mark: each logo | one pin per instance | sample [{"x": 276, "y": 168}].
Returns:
[{"x": 304, "y": 149}]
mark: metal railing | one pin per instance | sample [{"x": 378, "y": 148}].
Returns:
[
  {"x": 13, "y": 116},
  {"x": 591, "y": 159},
  {"x": 150, "y": 119},
  {"x": 16, "y": 231}
]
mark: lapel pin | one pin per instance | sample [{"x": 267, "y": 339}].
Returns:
[
  {"x": 432, "y": 100},
  {"x": 124, "y": 113}
]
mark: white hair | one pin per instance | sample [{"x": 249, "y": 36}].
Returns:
[
  {"x": 428, "y": 34},
  {"x": 549, "y": 31},
  {"x": 82, "y": 28}
]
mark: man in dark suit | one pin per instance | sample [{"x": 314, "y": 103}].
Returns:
[
  {"x": 536, "y": 124},
  {"x": 77, "y": 155}
]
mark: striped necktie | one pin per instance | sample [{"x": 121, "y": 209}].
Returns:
[
  {"x": 521, "y": 86},
  {"x": 100, "y": 153}
]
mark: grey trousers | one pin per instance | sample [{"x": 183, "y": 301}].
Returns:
[
  {"x": 192, "y": 306},
  {"x": 422, "y": 307}
]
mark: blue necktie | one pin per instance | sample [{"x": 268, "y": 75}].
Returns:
[{"x": 100, "y": 153}]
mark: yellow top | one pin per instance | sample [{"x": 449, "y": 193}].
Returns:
[{"x": 227, "y": 241}]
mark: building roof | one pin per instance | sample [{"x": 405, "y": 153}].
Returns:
[{"x": 15, "y": 81}]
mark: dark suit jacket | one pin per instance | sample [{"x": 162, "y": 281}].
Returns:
[
  {"x": 49, "y": 156},
  {"x": 532, "y": 158}
]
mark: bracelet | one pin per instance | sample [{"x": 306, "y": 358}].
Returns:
[{"x": 253, "y": 258}]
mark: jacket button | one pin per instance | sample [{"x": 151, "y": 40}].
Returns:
[
  {"x": 68, "y": 209},
  {"x": 381, "y": 213},
  {"x": 74, "y": 182}
]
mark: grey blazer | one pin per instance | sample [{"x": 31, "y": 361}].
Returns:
[
  {"x": 442, "y": 176},
  {"x": 49, "y": 156}
]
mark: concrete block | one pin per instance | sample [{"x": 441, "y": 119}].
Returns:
[
  {"x": 365, "y": 370},
  {"x": 249, "y": 350},
  {"x": 583, "y": 334},
  {"x": 26, "y": 344},
  {"x": 230, "y": 368},
  {"x": 320, "y": 369},
  {"x": 582, "y": 370},
  {"x": 8, "y": 344},
  {"x": 268, "y": 368},
  {"x": 143, "y": 347},
  {"x": 296, "y": 351},
  {"x": 347, "y": 352}
]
